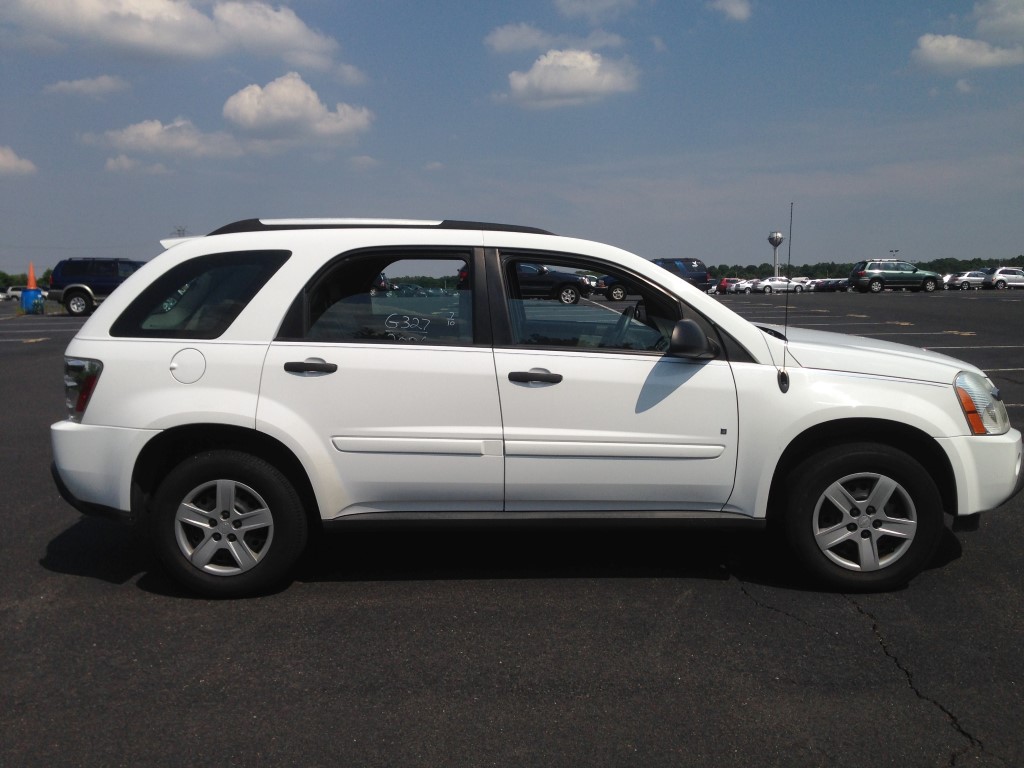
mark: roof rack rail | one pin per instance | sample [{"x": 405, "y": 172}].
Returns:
[{"x": 267, "y": 225}]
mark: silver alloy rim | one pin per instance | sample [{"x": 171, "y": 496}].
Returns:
[
  {"x": 864, "y": 522},
  {"x": 568, "y": 294},
  {"x": 77, "y": 304},
  {"x": 223, "y": 527}
]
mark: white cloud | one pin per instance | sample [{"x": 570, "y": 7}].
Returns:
[
  {"x": 92, "y": 87},
  {"x": 12, "y": 165},
  {"x": 569, "y": 78},
  {"x": 594, "y": 10},
  {"x": 179, "y": 138},
  {"x": 964, "y": 86},
  {"x": 737, "y": 10},
  {"x": 288, "y": 107},
  {"x": 513, "y": 38},
  {"x": 125, "y": 164},
  {"x": 177, "y": 28},
  {"x": 1000, "y": 20},
  {"x": 949, "y": 53}
]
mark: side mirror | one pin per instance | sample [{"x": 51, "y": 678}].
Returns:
[{"x": 689, "y": 341}]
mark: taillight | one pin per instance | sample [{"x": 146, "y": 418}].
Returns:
[{"x": 80, "y": 377}]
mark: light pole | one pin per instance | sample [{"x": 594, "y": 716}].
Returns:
[
  {"x": 775, "y": 238},
  {"x": 894, "y": 251}
]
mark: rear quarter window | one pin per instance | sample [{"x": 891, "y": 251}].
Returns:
[{"x": 199, "y": 298}]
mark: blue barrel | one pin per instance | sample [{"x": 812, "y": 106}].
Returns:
[{"x": 32, "y": 301}]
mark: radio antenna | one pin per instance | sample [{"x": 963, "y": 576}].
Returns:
[{"x": 783, "y": 375}]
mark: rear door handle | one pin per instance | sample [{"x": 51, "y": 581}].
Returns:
[
  {"x": 530, "y": 377},
  {"x": 310, "y": 366}
]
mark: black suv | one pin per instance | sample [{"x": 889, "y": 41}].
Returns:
[
  {"x": 81, "y": 284},
  {"x": 693, "y": 271},
  {"x": 537, "y": 281}
]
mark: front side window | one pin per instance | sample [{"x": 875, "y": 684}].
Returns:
[
  {"x": 393, "y": 297},
  {"x": 199, "y": 298},
  {"x": 542, "y": 313}
]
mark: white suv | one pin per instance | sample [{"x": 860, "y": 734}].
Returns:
[{"x": 248, "y": 388}]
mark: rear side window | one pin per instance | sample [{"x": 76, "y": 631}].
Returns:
[
  {"x": 200, "y": 298},
  {"x": 402, "y": 297}
]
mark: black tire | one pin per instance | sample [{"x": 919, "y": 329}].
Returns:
[
  {"x": 876, "y": 286},
  {"x": 965, "y": 286},
  {"x": 747, "y": 289},
  {"x": 228, "y": 524},
  {"x": 798, "y": 288},
  {"x": 569, "y": 294},
  {"x": 928, "y": 285},
  {"x": 616, "y": 293},
  {"x": 767, "y": 289},
  {"x": 887, "y": 528},
  {"x": 78, "y": 303},
  {"x": 1000, "y": 284}
]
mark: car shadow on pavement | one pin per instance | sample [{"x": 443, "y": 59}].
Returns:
[{"x": 99, "y": 549}]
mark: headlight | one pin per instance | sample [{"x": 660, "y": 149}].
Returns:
[{"x": 983, "y": 408}]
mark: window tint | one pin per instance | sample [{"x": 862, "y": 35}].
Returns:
[
  {"x": 405, "y": 298},
  {"x": 642, "y": 322},
  {"x": 199, "y": 298}
]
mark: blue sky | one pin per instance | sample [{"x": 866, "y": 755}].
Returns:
[{"x": 667, "y": 127}]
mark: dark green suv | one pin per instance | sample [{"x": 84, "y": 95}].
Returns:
[{"x": 877, "y": 275}]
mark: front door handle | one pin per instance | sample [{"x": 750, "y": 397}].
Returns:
[
  {"x": 310, "y": 366},
  {"x": 530, "y": 377}
]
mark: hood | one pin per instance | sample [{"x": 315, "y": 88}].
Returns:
[{"x": 857, "y": 354}]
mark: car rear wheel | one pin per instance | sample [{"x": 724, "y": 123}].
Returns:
[
  {"x": 78, "y": 303},
  {"x": 875, "y": 286},
  {"x": 767, "y": 289},
  {"x": 798, "y": 288},
  {"x": 747, "y": 289},
  {"x": 616, "y": 293},
  {"x": 1000, "y": 284},
  {"x": 965, "y": 286},
  {"x": 228, "y": 524},
  {"x": 864, "y": 516},
  {"x": 568, "y": 295}
]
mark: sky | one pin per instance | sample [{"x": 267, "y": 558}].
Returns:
[{"x": 666, "y": 127}]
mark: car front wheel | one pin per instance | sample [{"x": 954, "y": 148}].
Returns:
[
  {"x": 77, "y": 304},
  {"x": 928, "y": 285},
  {"x": 864, "y": 516},
  {"x": 1000, "y": 284},
  {"x": 568, "y": 295},
  {"x": 616, "y": 293},
  {"x": 875, "y": 286},
  {"x": 767, "y": 289},
  {"x": 228, "y": 524}
]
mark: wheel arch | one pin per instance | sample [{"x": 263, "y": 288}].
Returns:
[
  {"x": 172, "y": 446},
  {"x": 919, "y": 445}
]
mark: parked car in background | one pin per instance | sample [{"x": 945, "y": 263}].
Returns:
[
  {"x": 538, "y": 281},
  {"x": 614, "y": 289},
  {"x": 13, "y": 292},
  {"x": 743, "y": 286},
  {"x": 81, "y": 284},
  {"x": 693, "y": 271},
  {"x": 965, "y": 281},
  {"x": 777, "y": 285},
  {"x": 725, "y": 283},
  {"x": 877, "y": 275},
  {"x": 1005, "y": 277}
]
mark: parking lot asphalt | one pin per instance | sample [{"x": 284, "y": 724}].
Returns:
[{"x": 537, "y": 647}]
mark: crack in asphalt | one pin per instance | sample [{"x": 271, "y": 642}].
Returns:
[{"x": 972, "y": 740}]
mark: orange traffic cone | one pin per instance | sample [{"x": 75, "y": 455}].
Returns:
[{"x": 31, "y": 276}]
